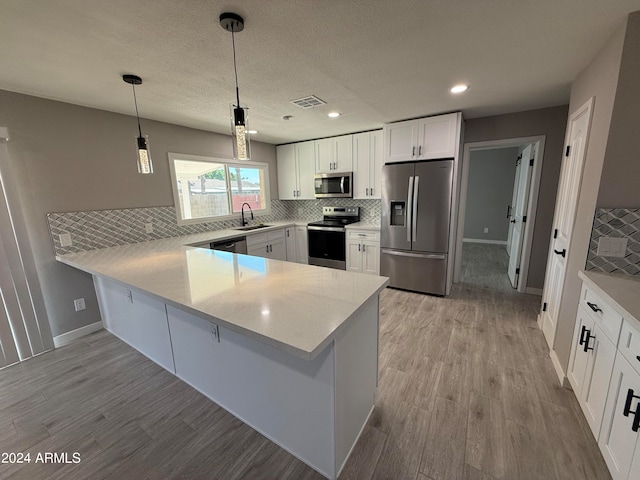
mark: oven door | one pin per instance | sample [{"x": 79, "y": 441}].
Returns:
[
  {"x": 327, "y": 247},
  {"x": 328, "y": 185}
]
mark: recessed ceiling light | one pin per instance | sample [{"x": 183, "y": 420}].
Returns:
[
  {"x": 459, "y": 88},
  {"x": 252, "y": 132},
  {"x": 333, "y": 114}
]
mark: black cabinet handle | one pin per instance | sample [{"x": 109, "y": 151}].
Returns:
[
  {"x": 627, "y": 410},
  {"x": 585, "y": 336},
  {"x": 562, "y": 253},
  {"x": 594, "y": 307},
  {"x": 638, "y": 357}
]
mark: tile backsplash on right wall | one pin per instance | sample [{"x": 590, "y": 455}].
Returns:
[{"x": 616, "y": 223}]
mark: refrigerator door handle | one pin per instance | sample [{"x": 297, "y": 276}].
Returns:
[
  {"x": 414, "y": 209},
  {"x": 433, "y": 256},
  {"x": 409, "y": 209}
]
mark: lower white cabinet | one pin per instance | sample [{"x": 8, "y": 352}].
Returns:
[
  {"x": 618, "y": 440},
  {"x": 269, "y": 244},
  {"x": 302, "y": 248},
  {"x": 363, "y": 251},
  {"x": 290, "y": 242}
]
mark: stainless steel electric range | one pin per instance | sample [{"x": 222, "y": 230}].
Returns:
[{"x": 327, "y": 237}]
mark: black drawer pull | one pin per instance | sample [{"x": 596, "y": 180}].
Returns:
[
  {"x": 594, "y": 307},
  {"x": 562, "y": 253},
  {"x": 627, "y": 410},
  {"x": 585, "y": 336},
  {"x": 638, "y": 357}
]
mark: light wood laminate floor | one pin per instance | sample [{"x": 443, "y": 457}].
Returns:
[{"x": 466, "y": 391}]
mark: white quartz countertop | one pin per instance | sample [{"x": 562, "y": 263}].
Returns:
[
  {"x": 622, "y": 291},
  {"x": 294, "y": 307},
  {"x": 363, "y": 226}
]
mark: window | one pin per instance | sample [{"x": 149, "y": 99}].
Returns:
[{"x": 207, "y": 189}]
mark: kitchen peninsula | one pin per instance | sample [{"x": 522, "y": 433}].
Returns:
[{"x": 290, "y": 349}]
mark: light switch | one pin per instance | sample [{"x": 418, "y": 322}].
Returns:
[
  {"x": 148, "y": 227},
  {"x": 612, "y": 247},
  {"x": 65, "y": 239}
]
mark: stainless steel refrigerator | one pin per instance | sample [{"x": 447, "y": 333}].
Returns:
[{"x": 416, "y": 212}]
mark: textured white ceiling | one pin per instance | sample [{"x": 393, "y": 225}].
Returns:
[{"x": 375, "y": 61}]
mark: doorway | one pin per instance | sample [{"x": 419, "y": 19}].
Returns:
[{"x": 498, "y": 198}]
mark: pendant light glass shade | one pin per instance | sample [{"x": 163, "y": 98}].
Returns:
[
  {"x": 239, "y": 132},
  {"x": 145, "y": 165}
]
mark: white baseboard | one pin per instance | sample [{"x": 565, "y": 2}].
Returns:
[
  {"x": 480, "y": 240},
  {"x": 533, "y": 291},
  {"x": 66, "y": 338},
  {"x": 564, "y": 381}
]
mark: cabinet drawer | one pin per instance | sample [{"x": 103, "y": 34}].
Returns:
[
  {"x": 603, "y": 314},
  {"x": 629, "y": 344},
  {"x": 256, "y": 238},
  {"x": 363, "y": 235},
  {"x": 276, "y": 234}
]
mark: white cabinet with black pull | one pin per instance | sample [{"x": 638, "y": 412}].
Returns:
[{"x": 363, "y": 251}]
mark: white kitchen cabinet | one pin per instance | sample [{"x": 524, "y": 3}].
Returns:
[
  {"x": 137, "y": 319},
  {"x": 334, "y": 154},
  {"x": 302, "y": 248},
  {"x": 363, "y": 251},
  {"x": 290, "y": 242},
  {"x": 269, "y": 244},
  {"x": 579, "y": 358},
  {"x": 367, "y": 164},
  {"x": 422, "y": 139},
  {"x": 618, "y": 441},
  {"x": 296, "y": 168}
]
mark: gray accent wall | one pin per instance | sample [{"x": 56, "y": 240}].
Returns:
[
  {"x": 489, "y": 192},
  {"x": 552, "y": 123},
  {"x": 68, "y": 158}
]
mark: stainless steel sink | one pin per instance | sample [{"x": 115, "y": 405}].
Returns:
[{"x": 252, "y": 227}]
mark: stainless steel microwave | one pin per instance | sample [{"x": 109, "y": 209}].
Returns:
[{"x": 328, "y": 185}]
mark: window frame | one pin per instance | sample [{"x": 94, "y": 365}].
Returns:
[{"x": 228, "y": 164}]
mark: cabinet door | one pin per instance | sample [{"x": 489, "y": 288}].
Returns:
[
  {"x": 617, "y": 440},
  {"x": 400, "y": 141},
  {"x": 376, "y": 160},
  {"x": 354, "y": 256},
  {"x": 287, "y": 172},
  {"x": 371, "y": 258},
  {"x": 278, "y": 249},
  {"x": 437, "y": 136},
  {"x": 301, "y": 245},
  {"x": 324, "y": 155},
  {"x": 597, "y": 376},
  {"x": 579, "y": 358},
  {"x": 361, "y": 163},
  {"x": 343, "y": 153},
  {"x": 290, "y": 241},
  {"x": 306, "y": 168},
  {"x": 259, "y": 250}
]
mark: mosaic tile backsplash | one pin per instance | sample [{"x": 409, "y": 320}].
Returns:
[
  {"x": 96, "y": 229},
  {"x": 616, "y": 222}
]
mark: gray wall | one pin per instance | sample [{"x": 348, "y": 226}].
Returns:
[
  {"x": 599, "y": 80},
  {"x": 551, "y": 122},
  {"x": 70, "y": 158},
  {"x": 489, "y": 191}
]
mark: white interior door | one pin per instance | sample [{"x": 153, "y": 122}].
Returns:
[
  {"x": 563, "y": 220},
  {"x": 510, "y": 209},
  {"x": 519, "y": 213}
]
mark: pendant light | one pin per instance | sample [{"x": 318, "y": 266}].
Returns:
[
  {"x": 239, "y": 126},
  {"x": 145, "y": 165}
]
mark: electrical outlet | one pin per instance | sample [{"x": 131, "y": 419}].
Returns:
[
  {"x": 79, "y": 304},
  {"x": 486, "y": 230},
  {"x": 215, "y": 332},
  {"x": 65, "y": 239},
  {"x": 300, "y": 211},
  {"x": 148, "y": 227}
]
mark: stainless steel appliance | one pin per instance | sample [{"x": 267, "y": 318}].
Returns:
[
  {"x": 326, "y": 238},
  {"x": 416, "y": 211},
  {"x": 327, "y": 185},
  {"x": 235, "y": 245}
]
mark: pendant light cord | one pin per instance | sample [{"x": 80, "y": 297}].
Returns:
[
  {"x": 135, "y": 101},
  {"x": 235, "y": 68}
]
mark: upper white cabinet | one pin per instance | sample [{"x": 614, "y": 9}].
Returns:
[
  {"x": 296, "y": 168},
  {"x": 367, "y": 164},
  {"x": 334, "y": 154},
  {"x": 422, "y": 139}
]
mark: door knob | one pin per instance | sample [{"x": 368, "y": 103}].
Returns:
[{"x": 513, "y": 221}]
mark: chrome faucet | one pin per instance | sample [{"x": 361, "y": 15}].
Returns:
[{"x": 244, "y": 222}]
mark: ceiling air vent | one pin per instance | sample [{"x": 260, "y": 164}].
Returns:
[{"x": 308, "y": 102}]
